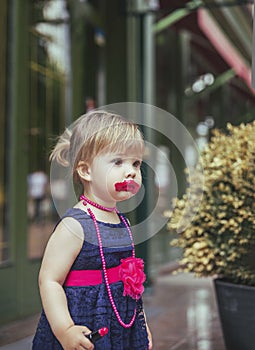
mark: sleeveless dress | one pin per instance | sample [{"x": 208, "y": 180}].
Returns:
[{"x": 89, "y": 305}]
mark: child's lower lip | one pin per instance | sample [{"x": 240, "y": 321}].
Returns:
[{"x": 127, "y": 186}]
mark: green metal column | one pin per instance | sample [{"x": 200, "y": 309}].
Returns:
[
  {"x": 115, "y": 51},
  {"x": 134, "y": 54},
  {"x": 18, "y": 156},
  {"x": 141, "y": 86},
  {"x": 78, "y": 57},
  {"x": 177, "y": 99},
  {"x": 8, "y": 300},
  {"x": 148, "y": 83},
  {"x": 148, "y": 59}
]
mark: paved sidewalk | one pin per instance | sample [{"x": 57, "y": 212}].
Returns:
[
  {"x": 18, "y": 335},
  {"x": 181, "y": 311},
  {"x": 23, "y": 344},
  {"x": 182, "y": 314}
]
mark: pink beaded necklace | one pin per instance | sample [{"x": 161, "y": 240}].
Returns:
[{"x": 86, "y": 201}]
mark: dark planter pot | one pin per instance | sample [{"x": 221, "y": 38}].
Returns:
[{"x": 236, "y": 304}]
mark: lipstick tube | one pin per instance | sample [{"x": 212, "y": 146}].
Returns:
[{"x": 94, "y": 336}]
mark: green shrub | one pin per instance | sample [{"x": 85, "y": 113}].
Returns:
[{"x": 220, "y": 240}]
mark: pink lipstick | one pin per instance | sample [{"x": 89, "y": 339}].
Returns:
[
  {"x": 94, "y": 336},
  {"x": 127, "y": 186}
]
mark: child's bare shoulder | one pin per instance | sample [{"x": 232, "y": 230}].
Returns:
[{"x": 69, "y": 226}]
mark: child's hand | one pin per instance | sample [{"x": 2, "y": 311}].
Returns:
[{"x": 74, "y": 339}]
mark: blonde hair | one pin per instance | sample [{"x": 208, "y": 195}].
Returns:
[{"x": 95, "y": 132}]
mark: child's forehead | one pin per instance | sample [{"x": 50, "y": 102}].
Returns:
[
  {"x": 135, "y": 147},
  {"x": 127, "y": 154}
]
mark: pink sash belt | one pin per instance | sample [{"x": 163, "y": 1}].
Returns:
[{"x": 77, "y": 278}]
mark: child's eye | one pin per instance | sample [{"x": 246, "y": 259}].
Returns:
[
  {"x": 137, "y": 164},
  {"x": 117, "y": 161}
]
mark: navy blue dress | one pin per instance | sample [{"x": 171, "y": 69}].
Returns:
[{"x": 89, "y": 305}]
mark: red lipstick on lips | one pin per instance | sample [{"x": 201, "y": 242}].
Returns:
[
  {"x": 127, "y": 186},
  {"x": 94, "y": 336}
]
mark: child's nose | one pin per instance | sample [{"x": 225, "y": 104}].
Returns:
[{"x": 130, "y": 172}]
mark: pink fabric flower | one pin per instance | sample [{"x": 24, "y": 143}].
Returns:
[{"x": 132, "y": 276}]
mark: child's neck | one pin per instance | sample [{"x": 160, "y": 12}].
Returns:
[
  {"x": 97, "y": 203},
  {"x": 102, "y": 213}
]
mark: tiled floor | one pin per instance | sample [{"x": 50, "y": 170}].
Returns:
[{"x": 181, "y": 311}]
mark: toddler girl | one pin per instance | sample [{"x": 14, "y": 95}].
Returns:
[{"x": 90, "y": 277}]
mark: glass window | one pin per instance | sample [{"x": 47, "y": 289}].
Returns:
[{"x": 46, "y": 120}]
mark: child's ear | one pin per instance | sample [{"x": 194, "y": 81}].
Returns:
[{"x": 83, "y": 170}]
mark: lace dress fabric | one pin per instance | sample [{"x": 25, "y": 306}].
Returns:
[{"x": 89, "y": 305}]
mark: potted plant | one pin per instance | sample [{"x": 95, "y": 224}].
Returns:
[{"x": 220, "y": 239}]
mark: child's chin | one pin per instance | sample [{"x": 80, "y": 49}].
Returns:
[{"x": 124, "y": 195}]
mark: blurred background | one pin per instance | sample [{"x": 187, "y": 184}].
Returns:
[{"x": 61, "y": 58}]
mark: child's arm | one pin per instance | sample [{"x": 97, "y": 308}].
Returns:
[{"x": 61, "y": 251}]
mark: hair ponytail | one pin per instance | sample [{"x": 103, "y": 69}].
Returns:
[{"x": 61, "y": 152}]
